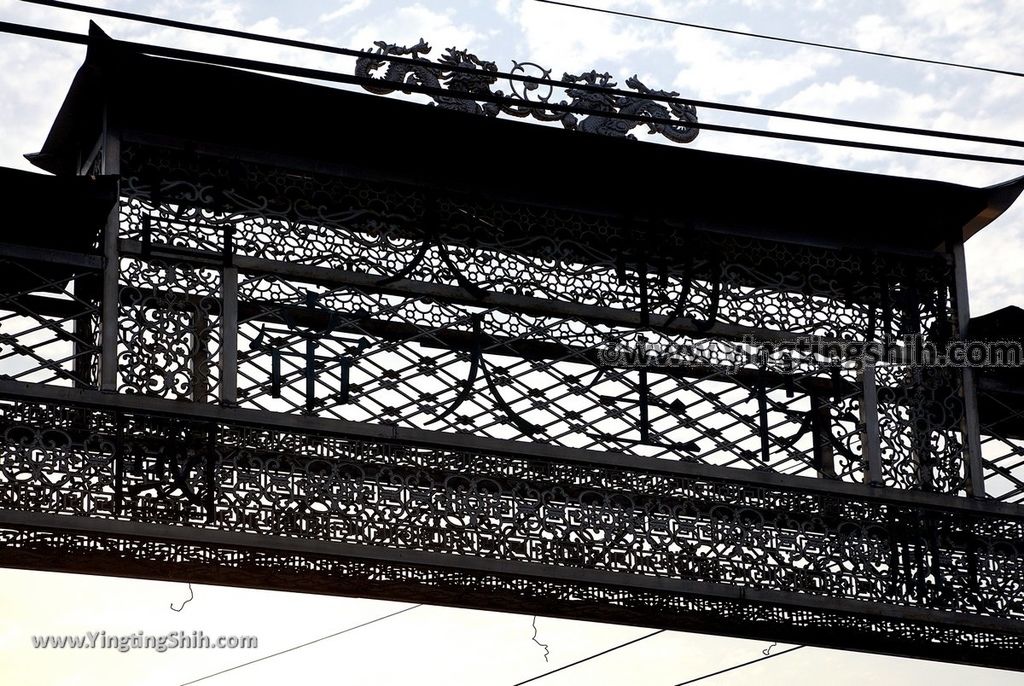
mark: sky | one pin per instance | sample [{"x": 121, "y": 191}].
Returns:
[{"x": 432, "y": 645}]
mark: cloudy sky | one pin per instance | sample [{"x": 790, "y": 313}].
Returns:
[{"x": 445, "y": 646}]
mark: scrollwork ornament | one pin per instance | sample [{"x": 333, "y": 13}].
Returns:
[{"x": 590, "y": 94}]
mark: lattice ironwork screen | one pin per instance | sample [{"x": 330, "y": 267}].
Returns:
[{"x": 293, "y": 379}]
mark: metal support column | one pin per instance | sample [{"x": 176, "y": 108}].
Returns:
[
  {"x": 870, "y": 442},
  {"x": 110, "y": 164},
  {"x": 970, "y": 424},
  {"x": 229, "y": 337}
]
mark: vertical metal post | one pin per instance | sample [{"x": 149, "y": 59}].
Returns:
[
  {"x": 85, "y": 351},
  {"x": 870, "y": 441},
  {"x": 762, "y": 415},
  {"x": 87, "y": 359},
  {"x": 110, "y": 164},
  {"x": 970, "y": 424},
  {"x": 972, "y": 433},
  {"x": 645, "y": 407},
  {"x": 229, "y": 337},
  {"x": 200, "y": 352},
  {"x": 821, "y": 428}
]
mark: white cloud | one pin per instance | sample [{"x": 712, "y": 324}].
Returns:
[
  {"x": 714, "y": 71},
  {"x": 827, "y": 98},
  {"x": 571, "y": 40},
  {"x": 407, "y": 24},
  {"x": 346, "y": 9}
]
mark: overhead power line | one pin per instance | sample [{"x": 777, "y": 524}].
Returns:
[
  {"x": 319, "y": 74},
  {"x": 781, "y": 39},
  {"x": 591, "y": 657},
  {"x": 646, "y": 636},
  {"x": 44, "y": 33},
  {"x": 541, "y": 81},
  {"x": 735, "y": 667},
  {"x": 302, "y": 645}
]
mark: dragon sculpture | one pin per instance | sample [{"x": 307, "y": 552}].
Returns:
[
  {"x": 470, "y": 79},
  {"x": 430, "y": 74}
]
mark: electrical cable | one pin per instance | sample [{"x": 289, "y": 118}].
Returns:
[
  {"x": 534, "y": 80},
  {"x": 735, "y": 667},
  {"x": 780, "y": 39},
  {"x": 301, "y": 645},
  {"x": 590, "y": 657},
  {"x": 319, "y": 74}
]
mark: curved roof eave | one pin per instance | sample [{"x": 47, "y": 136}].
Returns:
[
  {"x": 1000, "y": 197},
  {"x": 604, "y": 174}
]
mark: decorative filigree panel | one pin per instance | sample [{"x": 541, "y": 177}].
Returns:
[
  {"x": 169, "y": 330},
  {"x": 559, "y": 402},
  {"x": 168, "y": 470},
  {"x": 921, "y": 411},
  {"x": 291, "y": 571},
  {"x": 467, "y": 80},
  {"x": 489, "y": 247},
  {"x": 417, "y": 345}
]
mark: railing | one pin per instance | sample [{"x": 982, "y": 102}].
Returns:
[
  {"x": 284, "y": 380},
  {"x": 311, "y": 295}
]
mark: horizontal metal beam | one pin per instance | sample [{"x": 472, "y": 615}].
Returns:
[
  {"x": 454, "y": 441},
  {"x": 541, "y": 307},
  {"x": 29, "y": 305},
  {"x": 505, "y": 194},
  {"x": 997, "y": 385},
  {"x": 528, "y": 305},
  {"x": 123, "y": 557},
  {"x": 51, "y": 256},
  {"x": 521, "y": 348},
  {"x": 189, "y": 534}
]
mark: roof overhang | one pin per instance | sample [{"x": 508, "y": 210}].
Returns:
[
  {"x": 55, "y": 212},
  {"x": 308, "y": 126}
]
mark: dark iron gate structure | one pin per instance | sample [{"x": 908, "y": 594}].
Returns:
[{"x": 266, "y": 333}]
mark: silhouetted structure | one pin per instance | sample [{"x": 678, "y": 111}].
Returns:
[{"x": 265, "y": 333}]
